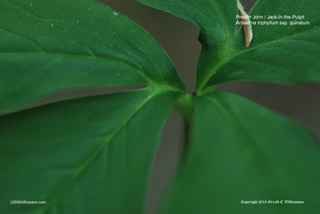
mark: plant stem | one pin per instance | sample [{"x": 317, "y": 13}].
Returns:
[
  {"x": 186, "y": 136},
  {"x": 184, "y": 106}
]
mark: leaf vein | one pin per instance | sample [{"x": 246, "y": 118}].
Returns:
[{"x": 88, "y": 161}]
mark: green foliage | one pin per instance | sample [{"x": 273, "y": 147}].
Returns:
[
  {"x": 277, "y": 53},
  {"x": 85, "y": 155},
  {"x": 93, "y": 154},
  {"x": 241, "y": 151},
  {"x": 50, "y": 46}
]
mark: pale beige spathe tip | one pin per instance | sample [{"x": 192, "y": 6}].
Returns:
[{"x": 246, "y": 28}]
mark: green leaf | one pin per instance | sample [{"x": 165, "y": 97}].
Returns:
[
  {"x": 87, "y": 155},
  {"x": 216, "y": 22},
  {"x": 48, "y": 46},
  {"x": 241, "y": 151},
  {"x": 280, "y": 54}
]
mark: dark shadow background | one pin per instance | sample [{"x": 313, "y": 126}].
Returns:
[{"x": 179, "y": 39}]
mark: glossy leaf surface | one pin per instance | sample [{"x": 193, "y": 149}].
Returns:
[{"x": 49, "y": 46}]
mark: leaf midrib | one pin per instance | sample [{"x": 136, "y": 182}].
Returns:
[
  {"x": 148, "y": 80},
  {"x": 270, "y": 42},
  {"x": 142, "y": 73},
  {"x": 219, "y": 65},
  {"x": 91, "y": 57},
  {"x": 88, "y": 161}
]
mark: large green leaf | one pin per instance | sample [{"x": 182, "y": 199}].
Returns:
[
  {"x": 87, "y": 155},
  {"x": 281, "y": 54},
  {"x": 48, "y": 46},
  {"x": 241, "y": 151}
]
